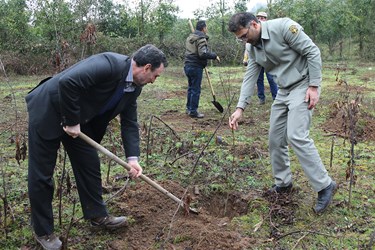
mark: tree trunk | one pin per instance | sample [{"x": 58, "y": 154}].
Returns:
[{"x": 222, "y": 10}]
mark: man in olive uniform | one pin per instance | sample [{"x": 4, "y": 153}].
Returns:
[
  {"x": 196, "y": 57},
  {"x": 291, "y": 57},
  {"x": 262, "y": 16}
]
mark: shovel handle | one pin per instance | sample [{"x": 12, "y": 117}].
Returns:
[
  {"x": 128, "y": 167},
  {"x": 209, "y": 83},
  {"x": 191, "y": 26}
]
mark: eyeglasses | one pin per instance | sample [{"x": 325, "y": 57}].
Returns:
[{"x": 243, "y": 38}]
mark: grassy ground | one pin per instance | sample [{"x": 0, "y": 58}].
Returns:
[{"x": 207, "y": 154}]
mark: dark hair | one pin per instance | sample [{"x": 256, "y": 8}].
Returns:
[
  {"x": 200, "y": 25},
  {"x": 150, "y": 54},
  {"x": 240, "y": 20}
]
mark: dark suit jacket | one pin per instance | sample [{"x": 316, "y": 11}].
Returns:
[{"x": 77, "y": 94}]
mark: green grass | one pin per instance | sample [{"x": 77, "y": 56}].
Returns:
[{"x": 222, "y": 168}]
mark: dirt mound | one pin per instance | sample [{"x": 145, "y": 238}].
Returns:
[
  {"x": 339, "y": 124},
  {"x": 159, "y": 225}
]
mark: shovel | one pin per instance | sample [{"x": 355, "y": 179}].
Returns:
[
  {"x": 214, "y": 102},
  {"x": 128, "y": 167}
]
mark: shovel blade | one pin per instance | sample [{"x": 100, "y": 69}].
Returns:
[
  {"x": 193, "y": 210},
  {"x": 218, "y": 106}
]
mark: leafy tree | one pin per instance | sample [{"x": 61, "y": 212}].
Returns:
[
  {"x": 53, "y": 21},
  {"x": 240, "y": 5},
  {"x": 325, "y": 21},
  {"x": 308, "y": 13},
  {"x": 363, "y": 10},
  {"x": 368, "y": 50},
  {"x": 14, "y": 28},
  {"x": 108, "y": 17},
  {"x": 115, "y": 20},
  {"x": 164, "y": 16},
  {"x": 218, "y": 11},
  {"x": 41, "y": 29},
  {"x": 335, "y": 24},
  {"x": 142, "y": 8},
  {"x": 282, "y": 8}
]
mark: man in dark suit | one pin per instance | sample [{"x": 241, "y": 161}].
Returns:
[{"x": 85, "y": 97}]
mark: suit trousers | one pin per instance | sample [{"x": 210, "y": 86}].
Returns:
[
  {"x": 290, "y": 122},
  {"x": 86, "y": 168}
]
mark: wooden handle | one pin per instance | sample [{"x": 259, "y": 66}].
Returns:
[
  {"x": 191, "y": 26},
  {"x": 128, "y": 167},
  {"x": 209, "y": 82}
]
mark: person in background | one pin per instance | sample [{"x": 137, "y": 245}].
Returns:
[
  {"x": 284, "y": 50},
  {"x": 84, "y": 97},
  {"x": 262, "y": 16},
  {"x": 196, "y": 57}
]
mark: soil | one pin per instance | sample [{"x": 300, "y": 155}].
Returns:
[
  {"x": 347, "y": 120},
  {"x": 159, "y": 221},
  {"x": 365, "y": 130}
]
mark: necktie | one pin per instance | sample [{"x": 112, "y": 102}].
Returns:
[{"x": 116, "y": 97}]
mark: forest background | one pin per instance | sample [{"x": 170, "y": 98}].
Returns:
[{"x": 41, "y": 36}]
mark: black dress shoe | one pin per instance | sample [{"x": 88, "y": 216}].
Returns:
[
  {"x": 109, "y": 222},
  {"x": 280, "y": 190},
  {"x": 196, "y": 115},
  {"x": 325, "y": 198}
]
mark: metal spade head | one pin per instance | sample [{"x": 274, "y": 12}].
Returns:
[{"x": 218, "y": 106}]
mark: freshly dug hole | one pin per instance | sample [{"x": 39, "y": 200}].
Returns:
[{"x": 224, "y": 205}]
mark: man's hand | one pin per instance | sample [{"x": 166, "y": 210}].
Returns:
[
  {"x": 234, "y": 118},
  {"x": 136, "y": 170},
  {"x": 218, "y": 59},
  {"x": 312, "y": 96},
  {"x": 73, "y": 131}
]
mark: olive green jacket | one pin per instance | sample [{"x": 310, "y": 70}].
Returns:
[
  {"x": 285, "y": 52},
  {"x": 197, "y": 53}
]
